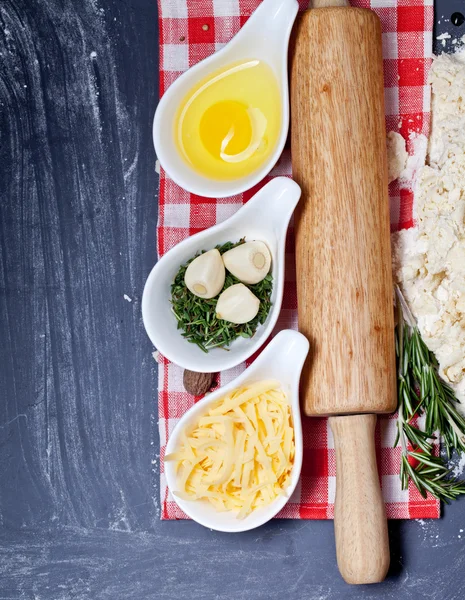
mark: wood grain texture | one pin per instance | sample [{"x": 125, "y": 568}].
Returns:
[
  {"x": 327, "y": 3},
  {"x": 360, "y": 524},
  {"x": 343, "y": 255}
]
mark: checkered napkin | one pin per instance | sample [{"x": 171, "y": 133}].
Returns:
[{"x": 191, "y": 30}]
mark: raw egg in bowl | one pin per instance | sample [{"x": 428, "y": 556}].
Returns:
[{"x": 222, "y": 125}]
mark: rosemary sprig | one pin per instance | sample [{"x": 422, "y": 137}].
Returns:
[
  {"x": 197, "y": 317},
  {"x": 422, "y": 392}
]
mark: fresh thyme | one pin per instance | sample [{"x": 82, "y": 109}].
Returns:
[
  {"x": 197, "y": 317},
  {"x": 422, "y": 392}
]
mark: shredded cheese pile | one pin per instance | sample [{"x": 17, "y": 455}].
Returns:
[{"x": 240, "y": 454}]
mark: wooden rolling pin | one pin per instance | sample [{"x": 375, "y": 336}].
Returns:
[{"x": 343, "y": 255}]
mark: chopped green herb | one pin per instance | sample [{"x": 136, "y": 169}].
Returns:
[{"x": 197, "y": 316}]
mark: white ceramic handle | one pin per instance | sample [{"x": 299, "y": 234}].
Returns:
[
  {"x": 285, "y": 354},
  {"x": 272, "y": 206},
  {"x": 272, "y": 16}
]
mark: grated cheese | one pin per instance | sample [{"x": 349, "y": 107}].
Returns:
[{"x": 239, "y": 455}]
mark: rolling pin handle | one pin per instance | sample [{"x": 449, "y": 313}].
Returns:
[
  {"x": 362, "y": 543},
  {"x": 328, "y": 3}
]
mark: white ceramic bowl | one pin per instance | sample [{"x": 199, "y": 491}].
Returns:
[
  {"x": 282, "y": 360},
  {"x": 265, "y": 217},
  {"x": 265, "y": 36}
]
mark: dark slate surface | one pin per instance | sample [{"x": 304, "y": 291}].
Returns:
[
  {"x": 79, "y": 514},
  {"x": 449, "y": 17}
]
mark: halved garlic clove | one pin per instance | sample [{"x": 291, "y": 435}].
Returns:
[
  {"x": 249, "y": 262},
  {"x": 237, "y": 304},
  {"x": 205, "y": 275}
]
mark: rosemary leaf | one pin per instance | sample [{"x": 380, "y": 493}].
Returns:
[
  {"x": 422, "y": 392},
  {"x": 196, "y": 316}
]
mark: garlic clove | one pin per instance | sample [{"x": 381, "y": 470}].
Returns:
[
  {"x": 205, "y": 275},
  {"x": 249, "y": 262},
  {"x": 237, "y": 304}
]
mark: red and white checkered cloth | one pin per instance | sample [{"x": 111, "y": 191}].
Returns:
[{"x": 191, "y": 30}]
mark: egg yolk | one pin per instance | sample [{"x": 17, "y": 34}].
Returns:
[
  {"x": 223, "y": 120},
  {"x": 229, "y": 123}
]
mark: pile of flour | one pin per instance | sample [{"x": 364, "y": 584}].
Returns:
[{"x": 429, "y": 260}]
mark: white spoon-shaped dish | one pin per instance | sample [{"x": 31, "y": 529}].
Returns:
[
  {"x": 265, "y": 217},
  {"x": 265, "y": 36},
  {"x": 282, "y": 360}
]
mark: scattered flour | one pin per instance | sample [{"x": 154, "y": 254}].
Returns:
[
  {"x": 459, "y": 467},
  {"x": 397, "y": 155},
  {"x": 415, "y": 161},
  {"x": 429, "y": 260},
  {"x": 401, "y": 165},
  {"x": 126, "y": 297},
  {"x": 443, "y": 37}
]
